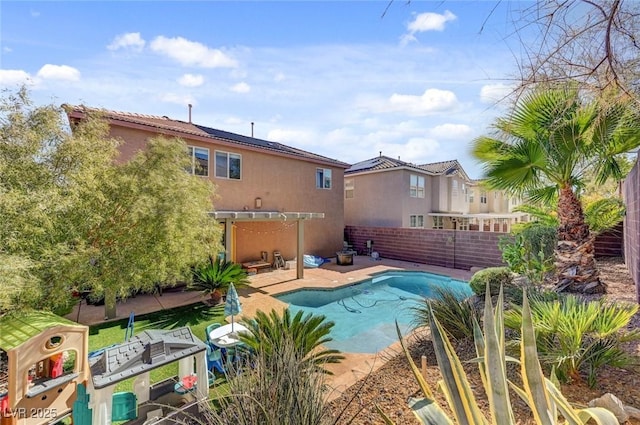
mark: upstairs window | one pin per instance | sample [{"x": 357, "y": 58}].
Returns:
[
  {"x": 471, "y": 196},
  {"x": 416, "y": 221},
  {"x": 483, "y": 197},
  {"x": 454, "y": 188},
  {"x": 199, "y": 161},
  {"x": 416, "y": 186},
  {"x": 228, "y": 165},
  {"x": 323, "y": 178},
  {"x": 349, "y": 187}
]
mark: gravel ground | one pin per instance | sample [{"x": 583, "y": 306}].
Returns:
[{"x": 391, "y": 386}]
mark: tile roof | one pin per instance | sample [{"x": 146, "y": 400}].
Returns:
[
  {"x": 381, "y": 163},
  {"x": 187, "y": 128},
  {"x": 442, "y": 167}
]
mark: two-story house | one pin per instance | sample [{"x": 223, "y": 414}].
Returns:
[
  {"x": 270, "y": 196},
  {"x": 387, "y": 192}
]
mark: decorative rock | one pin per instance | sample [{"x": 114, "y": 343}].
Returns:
[
  {"x": 613, "y": 404},
  {"x": 632, "y": 412}
]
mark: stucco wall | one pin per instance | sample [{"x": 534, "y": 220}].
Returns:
[
  {"x": 631, "y": 192},
  {"x": 447, "y": 248},
  {"x": 282, "y": 183},
  {"x": 382, "y": 199}
]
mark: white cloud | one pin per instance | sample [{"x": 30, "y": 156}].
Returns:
[
  {"x": 6, "y": 49},
  {"x": 130, "y": 40},
  {"x": 415, "y": 150},
  {"x": 493, "y": 93},
  {"x": 430, "y": 22},
  {"x": 10, "y": 77},
  {"x": 34, "y": 13},
  {"x": 191, "y": 80},
  {"x": 192, "y": 53},
  {"x": 178, "y": 99},
  {"x": 293, "y": 137},
  {"x": 451, "y": 131},
  {"x": 431, "y": 101},
  {"x": 241, "y": 88},
  {"x": 58, "y": 72},
  {"x": 279, "y": 77}
]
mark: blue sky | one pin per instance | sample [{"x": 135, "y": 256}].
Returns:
[{"x": 333, "y": 77}]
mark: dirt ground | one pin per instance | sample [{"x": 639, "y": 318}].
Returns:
[{"x": 392, "y": 385}]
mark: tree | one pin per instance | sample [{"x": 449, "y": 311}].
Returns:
[
  {"x": 73, "y": 217},
  {"x": 593, "y": 42},
  {"x": 542, "y": 150}
]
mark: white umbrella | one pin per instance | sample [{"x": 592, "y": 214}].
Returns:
[{"x": 232, "y": 305}]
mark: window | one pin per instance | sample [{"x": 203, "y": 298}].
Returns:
[
  {"x": 323, "y": 178},
  {"x": 454, "y": 187},
  {"x": 228, "y": 165},
  {"x": 199, "y": 161},
  {"x": 471, "y": 196},
  {"x": 438, "y": 222},
  {"x": 483, "y": 197},
  {"x": 349, "y": 187},
  {"x": 463, "y": 224},
  {"x": 416, "y": 221},
  {"x": 416, "y": 186}
]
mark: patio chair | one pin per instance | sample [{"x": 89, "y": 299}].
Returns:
[
  {"x": 209, "y": 329},
  {"x": 214, "y": 359}
]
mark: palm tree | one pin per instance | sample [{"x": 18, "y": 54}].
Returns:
[
  {"x": 216, "y": 275},
  {"x": 544, "y": 148},
  {"x": 269, "y": 331}
]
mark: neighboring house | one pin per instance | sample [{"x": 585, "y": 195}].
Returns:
[
  {"x": 270, "y": 197},
  {"x": 387, "y": 192}
]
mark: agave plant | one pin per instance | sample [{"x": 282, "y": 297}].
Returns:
[
  {"x": 215, "y": 276},
  {"x": 540, "y": 393},
  {"x": 309, "y": 332}
]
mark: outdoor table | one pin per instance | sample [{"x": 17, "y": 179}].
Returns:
[{"x": 223, "y": 336}]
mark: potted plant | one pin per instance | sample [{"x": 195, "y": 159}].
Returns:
[{"x": 215, "y": 276}]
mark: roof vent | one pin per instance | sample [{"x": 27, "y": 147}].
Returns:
[{"x": 190, "y": 106}]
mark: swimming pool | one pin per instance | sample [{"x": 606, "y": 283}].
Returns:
[{"x": 365, "y": 312}]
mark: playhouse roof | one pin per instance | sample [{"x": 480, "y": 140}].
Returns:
[
  {"x": 147, "y": 350},
  {"x": 15, "y": 330}
]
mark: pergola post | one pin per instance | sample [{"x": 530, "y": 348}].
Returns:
[
  {"x": 228, "y": 240},
  {"x": 300, "y": 250}
]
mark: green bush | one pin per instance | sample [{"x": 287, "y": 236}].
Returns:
[
  {"x": 578, "y": 337},
  {"x": 530, "y": 250},
  {"x": 453, "y": 310},
  {"x": 495, "y": 277}
]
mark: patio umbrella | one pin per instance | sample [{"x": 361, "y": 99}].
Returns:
[{"x": 232, "y": 305}]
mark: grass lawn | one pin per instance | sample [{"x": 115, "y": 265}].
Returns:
[{"x": 196, "y": 316}]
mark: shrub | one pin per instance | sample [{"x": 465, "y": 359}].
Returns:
[
  {"x": 541, "y": 394},
  {"x": 577, "y": 336},
  {"x": 276, "y": 389},
  {"x": 308, "y": 332},
  {"x": 454, "y": 312},
  {"x": 492, "y": 277},
  {"x": 530, "y": 250}
]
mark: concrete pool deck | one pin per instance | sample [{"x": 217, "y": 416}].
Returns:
[{"x": 259, "y": 296}]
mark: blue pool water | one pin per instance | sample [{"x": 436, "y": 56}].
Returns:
[{"x": 365, "y": 313}]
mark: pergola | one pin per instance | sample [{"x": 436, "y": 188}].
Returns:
[{"x": 229, "y": 217}]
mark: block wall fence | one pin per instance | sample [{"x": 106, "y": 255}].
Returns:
[
  {"x": 451, "y": 248},
  {"x": 631, "y": 192}
]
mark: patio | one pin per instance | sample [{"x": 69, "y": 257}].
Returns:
[{"x": 259, "y": 296}]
